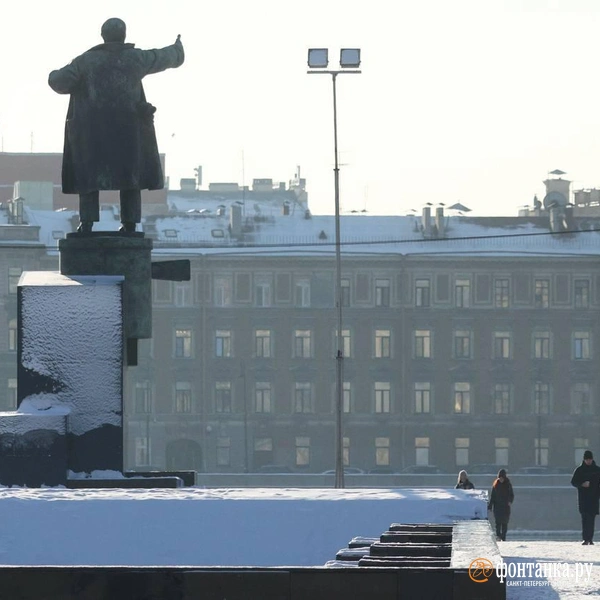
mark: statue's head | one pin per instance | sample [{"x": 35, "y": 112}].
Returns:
[{"x": 113, "y": 30}]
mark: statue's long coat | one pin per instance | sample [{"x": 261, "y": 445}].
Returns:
[{"x": 110, "y": 142}]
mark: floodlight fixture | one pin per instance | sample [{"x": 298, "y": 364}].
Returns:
[
  {"x": 349, "y": 63},
  {"x": 318, "y": 58},
  {"x": 350, "y": 58}
]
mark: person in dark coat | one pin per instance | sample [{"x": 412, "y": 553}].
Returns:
[
  {"x": 501, "y": 498},
  {"x": 586, "y": 478},
  {"x": 110, "y": 142},
  {"x": 463, "y": 482}
]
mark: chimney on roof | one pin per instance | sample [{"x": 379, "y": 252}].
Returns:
[
  {"x": 235, "y": 221},
  {"x": 187, "y": 184},
  {"x": 439, "y": 220},
  {"x": 426, "y": 221}
]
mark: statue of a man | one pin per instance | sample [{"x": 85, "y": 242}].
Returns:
[{"x": 110, "y": 142}]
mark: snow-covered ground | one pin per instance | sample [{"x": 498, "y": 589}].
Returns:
[
  {"x": 195, "y": 526},
  {"x": 258, "y": 527},
  {"x": 575, "y": 576}
]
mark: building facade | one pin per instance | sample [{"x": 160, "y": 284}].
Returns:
[
  {"x": 448, "y": 361},
  {"x": 466, "y": 340}
]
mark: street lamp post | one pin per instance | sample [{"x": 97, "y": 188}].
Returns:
[{"x": 318, "y": 61}]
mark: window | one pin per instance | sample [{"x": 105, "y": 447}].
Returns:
[
  {"x": 502, "y": 445},
  {"x": 501, "y": 398},
  {"x": 302, "y": 451},
  {"x": 382, "y": 292},
  {"x": 346, "y": 451},
  {"x": 142, "y": 452},
  {"x": 422, "y": 343},
  {"x": 461, "y": 451},
  {"x": 541, "y": 447},
  {"x": 462, "y": 397},
  {"x": 11, "y": 395},
  {"x": 143, "y": 397},
  {"x": 581, "y": 345},
  {"x": 346, "y": 397},
  {"x": 582, "y": 293},
  {"x": 262, "y": 395},
  {"x": 422, "y": 397},
  {"x": 542, "y": 293},
  {"x": 14, "y": 274},
  {"x": 183, "y": 397},
  {"x": 223, "y": 396},
  {"x": 422, "y": 451},
  {"x": 302, "y": 343},
  {"x": 382, "y": 451},
  {"x": 223, "y": 291},
  {"x": 303, "y": 402},
  {"x": 223, "y": 343},
  {"x": 383, "y": 343},
  {"x": 502, "y": 345},
  {"x": 262, "y": 343},
  {"x": 462, "y": 293},
  {"x": 302, "y": 293},
  {"x": 501, "y": 293},
  {"x": 462, "y": 344},
  {"x": 345, "y": 292},
  {"x": 183, "y": 293},
  {"x": 263, "y": 451},
  {"x": 541, "y": 398},
  {"x": 183, "y": 343},
  {"x": 581, "y": 399},
  {"x": 262, "y": 293},
  {"x": 580, "y": 445},
  {"x": 422, "y": 293},
  {"x": 12, "y": 335},
  {"x": 382, "y": 396},
  {"x": 542, "y": 348},
  {"x": 223, "y": 451},
  {"x": 346, "y": 343}
]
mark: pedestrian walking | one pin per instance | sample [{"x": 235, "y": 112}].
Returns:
[
  {"x": 586, "y": 478},
  {"x": 501, "y": 499},
  {"x": 463, "y": 482}
]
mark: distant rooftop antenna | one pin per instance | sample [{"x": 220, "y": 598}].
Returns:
[{"x": 243, "y": 183}]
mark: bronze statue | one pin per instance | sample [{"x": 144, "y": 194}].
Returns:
[{"x": 110, "y": 142}]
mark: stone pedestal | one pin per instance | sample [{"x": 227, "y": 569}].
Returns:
[
  {"x": 70, "y": 358},
  {"x": 114, "y": 253}
]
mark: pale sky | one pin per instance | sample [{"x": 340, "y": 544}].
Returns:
[{"x": 472, "y": 101}]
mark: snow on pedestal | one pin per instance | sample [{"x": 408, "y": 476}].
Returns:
[{"x": 70, "y": 356}]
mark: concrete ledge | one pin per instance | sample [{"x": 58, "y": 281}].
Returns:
[{"x": 187, "y": 583}]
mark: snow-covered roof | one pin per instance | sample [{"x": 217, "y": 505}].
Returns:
[{"x": 198, "y": 227}]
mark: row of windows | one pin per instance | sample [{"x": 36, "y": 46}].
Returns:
[
  {"x": 381, "y": 453},
  {"x": 263, "y": 291},
  {"x": 303, "y": 343},
  {"x": 461, "y": 292},
  {"x": 501, "y": 399}
]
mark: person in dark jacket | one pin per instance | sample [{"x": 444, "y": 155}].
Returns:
[
  {"x": 586, "y": 478},
  {"x": 110, "y": 142},
  {"x": 463, "y": 482},
  {"x": 501, "y": 498}
]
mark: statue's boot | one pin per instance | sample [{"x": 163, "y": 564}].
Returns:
[
  {"x": 127, "y": 227},
  {"x": 85, "y": 226}
]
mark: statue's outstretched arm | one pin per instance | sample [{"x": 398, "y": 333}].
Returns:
[
  {"x": 169, "y": 57},
  {"x": 65, "y": 80}
]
